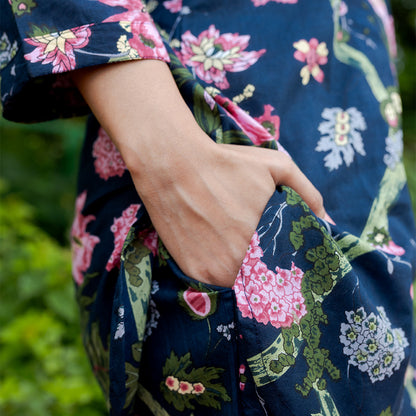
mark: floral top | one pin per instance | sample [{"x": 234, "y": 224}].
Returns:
[{"x": 319, "y": 321}]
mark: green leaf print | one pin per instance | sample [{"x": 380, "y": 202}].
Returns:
[
  {"x": 99, "y": 356},
  {"x": 209, "y": 120},
  {"x": 386, "y": 412},
  {"x": 235, "y": 137},
  {"x": 21, "y": 7}
]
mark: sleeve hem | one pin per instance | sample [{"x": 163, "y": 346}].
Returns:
[{"x": 47, "y": 93}]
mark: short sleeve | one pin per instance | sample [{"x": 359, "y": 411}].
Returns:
[{"x": 41, "y": 40}]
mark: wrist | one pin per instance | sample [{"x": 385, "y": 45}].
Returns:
[{"x": 174, "y": 157}]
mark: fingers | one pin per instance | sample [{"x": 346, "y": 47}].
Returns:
[{"x": 286, "y": 172}]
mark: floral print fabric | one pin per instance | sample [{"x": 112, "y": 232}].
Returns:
[{"x": 319, "y": 320}]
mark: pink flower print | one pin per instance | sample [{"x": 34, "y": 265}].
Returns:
[
  {"x": 314, "y": 54},
  {"x": 209, "y": 100},
  {"x": 284, "y": 278},
  {"x": 82, "y": 243},
  {"x": 254, "y": 250},
  {"x": 391, "y": 248},
  {"x": 150, "y": 240},
  {"x": 146, "y": 39},
  {"x": 258, "y": 300},
  {"x": 241, "y": 371},
  {"x": 266, "y": 277},
  {"x": 198, "y": 388},
  {"x": 380, "y": 239},
  {"x": 296, "y": 276},
  {"x": 184, "y": 387},
  {"x": 241, "y": 298},
  {"x": 258, "y": 3},
  {"x": 343, "y": 9},
  {"x": 266, "y": 296},
  {"x": 58, "y": 48},
  {"x": 245, "y": 269},
  {"x": 298, "y": 305},
  {"x": 380, "y": 7},
  {"x": 108, "y": 161},
  {"x": 243, "y": 289},
  {"x": 135, "y": 11},
  {"x": 279, "y": 311},
  {"x": 279, "y": 287},
  {"x": 392, "y": 109},
  {"x": 120, "y": 229},
  {"x": 212, "y": 55},
  {"x": 269, "y": 122},
  {"x": 172, "y": 383},
  {"x": 174, "y": 6},
  {"x": 254, "y": 130}
]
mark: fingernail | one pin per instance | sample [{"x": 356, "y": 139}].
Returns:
[{"x": 327, "y": 218}]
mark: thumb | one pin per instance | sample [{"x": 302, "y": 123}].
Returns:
[{"x": 285, "y": 172}]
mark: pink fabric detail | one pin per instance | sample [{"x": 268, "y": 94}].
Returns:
[
  {"x": 382, "y": 12},
  {"x": 258, "y": 3},
  {"x": 266, "y": 296},
  {"x": 268, "y": 118},
  {"x": 254, "y": 130},
  {"x": 120, "y": 229},
  {"x": 58, "y": 48},
  {"x": 108, "y": 161},
  {"x": 142, "y": 28},
  {"x": 174, "y": 6},
  {"x": 391, "y": 248},
  {"x": 82, "y": 243},
  {"x": 150, "y": 240},
  {"x": 213, "y": 55}
]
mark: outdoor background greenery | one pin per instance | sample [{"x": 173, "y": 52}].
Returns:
[{"x": 43, "y": 368}]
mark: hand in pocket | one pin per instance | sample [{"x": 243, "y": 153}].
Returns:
[{"x": 208, "y": 209}]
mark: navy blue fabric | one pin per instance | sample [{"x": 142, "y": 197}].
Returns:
[{"x": 319, "y": 321}]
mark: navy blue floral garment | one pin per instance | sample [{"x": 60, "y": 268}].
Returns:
[{"x": 319, "y": 321}]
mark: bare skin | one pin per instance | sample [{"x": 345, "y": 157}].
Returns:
[{"x": 204, "y": 199}]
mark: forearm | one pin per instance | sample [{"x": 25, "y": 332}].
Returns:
[{"x": 140, "y": 107}]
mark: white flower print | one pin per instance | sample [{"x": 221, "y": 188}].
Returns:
[
  {"x": 119, "y": 331},
  {"x": 155, "y": 287},
  {"x": 120, "y": 326},
  {"x": 394, "y": 149},
  {"x": 153, "y": 313},
  {"x": 372, "y": 344},
  {"x": 225, "y": 330},
  {"x": 341, "y": 136},
  {"x": 7, "y": 50}
]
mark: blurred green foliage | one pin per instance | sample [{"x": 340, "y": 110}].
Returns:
[
  {"x": 43, "y": 368},
  {"x": 404, "y": 12},
  {"x": 39, "y": 162}
]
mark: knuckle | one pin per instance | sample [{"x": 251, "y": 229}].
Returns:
[{"x": 286, "y": 168}]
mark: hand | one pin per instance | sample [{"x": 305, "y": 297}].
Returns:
[
  {"x": 206, "y": 205},
  {"x": 204, "y": 199}
]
